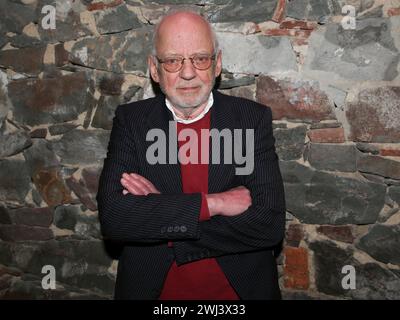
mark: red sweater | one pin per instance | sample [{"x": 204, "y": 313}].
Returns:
[{"x": 202, "y": 279}]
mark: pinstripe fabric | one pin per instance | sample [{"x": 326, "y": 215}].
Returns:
[{"x": 242, "y": 244}]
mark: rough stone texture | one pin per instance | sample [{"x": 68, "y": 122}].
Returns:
[
  {"x": 13, "y": 143},
  {"x": 68, "y": 23},
  {"x": 49, "y": 100},
  {"x": 27, "y": 60},
  {"x": 382, "y": 243},
  {"x": 82, "y": 147},
  {"x": 298, "y": 100},
  {"x": 39, "y": 217},
  {"x": 15, "y": 180},
  {"x": 333, "y": 157},
  {"x": 51, "y": 186},
  {"x": 115, "y": 19},
  {"x": 22, "y": 233},
  {"x": 312, "y": 9},
  {"x": 365, "y": 53},
  {"x": 103, "y": 118},
  {"x": 124, "y": 52},
  {"x": 71, "y": 217},
  {"x": 346, "y": 200},
  {"x": 379, "y": 165},
  {"x": 240, "y": 10},
  {"x": 394, "y": 194},
  {"x": 380, "y": 108},
  {"x": 290, "y": 143},
  {"x": 255, "y": 53}
]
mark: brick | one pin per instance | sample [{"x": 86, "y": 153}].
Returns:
[
  {"x": 298, "y": 24},
  {"x": 339, "y": 233},
  {"x": 393, "y": 12},
  {"x": 390, "y": 152},
  {"x": 279, "y": 13},
  {"x": 296, "y": 274},
  {"x": 327, "y": 135},
  {"x": 102, "y": 5},
  {"x": 24, "y": 233}
]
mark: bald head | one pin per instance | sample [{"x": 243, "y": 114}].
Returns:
[{"x": 183, "y": 27}]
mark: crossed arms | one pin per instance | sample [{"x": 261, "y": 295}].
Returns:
[{"x": 246, "y": 218}]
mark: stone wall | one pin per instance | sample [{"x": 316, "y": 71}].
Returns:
[{"x": 333, "y": 86}]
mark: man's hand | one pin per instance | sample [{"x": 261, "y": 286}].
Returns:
[
  {"x": 137, "y": 185},
  {"x": 229, "y": 203}
]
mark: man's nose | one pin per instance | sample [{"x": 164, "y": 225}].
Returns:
[{"x": 188, "y": 71}]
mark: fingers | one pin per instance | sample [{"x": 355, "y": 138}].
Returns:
[{"x": 137, "y": 185}]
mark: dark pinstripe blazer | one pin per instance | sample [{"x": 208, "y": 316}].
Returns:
[{"x": 242, "y": 244}]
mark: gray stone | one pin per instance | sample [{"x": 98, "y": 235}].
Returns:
[
  {"x": 65, "y": 217},
  {"x": 40, "y": 156},
  {"x": 367, "y": 53},
  {"x": 333, "y": 157},
  {"x": 82, "y": 147},
  {"x": 115, "y": 19},
  {"x": 125, "y": 52},
  {"x": 17, "y": 17},
  {"x": 61, "y": 128},
  {"x": 312, "y": 9},
  {"x": 256, "y": 54},
  {"x": 290, "y": 143},
  {"x": 82, "y": 193},
  {"x": 15, "y": 180},
  {"x": 379, "y": 165},
  {"x": 325, "y": 125},
  {"x": 394, "y": 194},
  {"x": 240, "y": 10},
  {"x": 372, "y": 281},
  {"x": 367, "y": 148},
  {"x": 27, "y": 60},
  {"x": 43, "y": 101},
  {"x": 382, "y": 243},
  {"x": 230, "y": 81},
  {"x": 103, "y": 118},
  {"x": 68, "y": 23},
  {"x": 375, "y": 116},
  {"x": 329, "y": 260},
  {"x": 375, "y": 283},
  {"x": 317, "y": 197},
  {"x": 13, "y": 143}
]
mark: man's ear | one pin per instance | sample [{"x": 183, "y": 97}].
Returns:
[
  {"x": 218, "y": 65},
  {"x": 153, "y": 68}
]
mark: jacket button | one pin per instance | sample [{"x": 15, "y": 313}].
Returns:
[
  {"x": 183, "y": 229},
  {"x": 176, "y": 229},
  {"x": 170, "y": 229}
]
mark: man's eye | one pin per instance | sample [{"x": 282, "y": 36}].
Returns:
[
  {"x": 172, "y": 61},
  {"x": 201, "y": 59}
]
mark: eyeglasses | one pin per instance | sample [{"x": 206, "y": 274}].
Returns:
[{"x": 175, "y": 64}]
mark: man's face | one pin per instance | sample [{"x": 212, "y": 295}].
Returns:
[{"x": 185, "y": 36}]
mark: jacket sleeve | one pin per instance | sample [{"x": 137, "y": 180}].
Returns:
[
  {"x": 147, "y": 219},
  {"x": 262, "y": 225}
]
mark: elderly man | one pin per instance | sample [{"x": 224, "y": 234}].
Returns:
[{"x": 191, "y": 229}]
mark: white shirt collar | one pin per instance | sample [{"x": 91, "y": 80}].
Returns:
[{"x": 210, "y": 102}]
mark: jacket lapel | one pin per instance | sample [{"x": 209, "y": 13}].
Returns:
[
  {"x": 222, "y": 117},
  {"x": 168, "y": 175}
]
